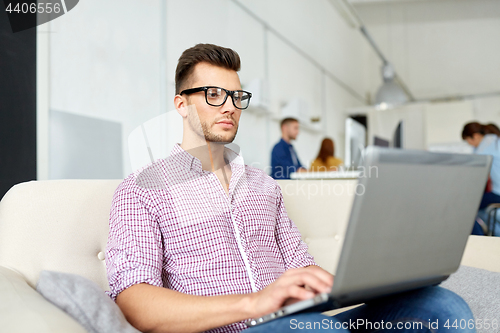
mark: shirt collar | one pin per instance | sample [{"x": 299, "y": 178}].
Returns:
[
  {"x": 488, "y": 139},
  {"x": 189, "y": 162},
  {"x": 288, "y": 144}
]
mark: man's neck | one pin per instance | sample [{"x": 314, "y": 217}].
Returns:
[
  {"x": 286, "y": 139},
  {"x": 210, "y": 154}
]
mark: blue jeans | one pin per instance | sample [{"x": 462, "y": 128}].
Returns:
[
  {"x": 430, "y": 309},
  {"x": 482, "y": 214}
]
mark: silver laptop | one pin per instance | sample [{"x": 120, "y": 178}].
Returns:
[{"x": 407, "y": 230}]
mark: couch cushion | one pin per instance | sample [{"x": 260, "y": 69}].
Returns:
[
  {"x": 482, "y": 252},
  {"x": 320, "y": 209},
  {"x": 85, "y": 301},
  {"x": 22, "y": 309},
  {"x": 480, "y": 289},
  {"x": 59, "y": 225}
]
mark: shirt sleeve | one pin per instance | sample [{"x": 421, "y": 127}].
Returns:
[
  {"x": 134, "y": 252},
  {"x": 293, "y": 248}
]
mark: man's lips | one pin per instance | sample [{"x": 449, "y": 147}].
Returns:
[{"x": 225, "y": 123}]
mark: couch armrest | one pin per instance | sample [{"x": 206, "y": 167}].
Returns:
[
  {"x": 482, "y": 252},
  {"x": 23, "y": 310}
]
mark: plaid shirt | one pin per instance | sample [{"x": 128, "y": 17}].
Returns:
[{"x": 173, "y": 225}]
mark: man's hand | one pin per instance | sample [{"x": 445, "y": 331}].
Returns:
[{"x": 294, "y": 285}]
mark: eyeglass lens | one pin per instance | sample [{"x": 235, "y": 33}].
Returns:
[{"x": 217, "y": 97}]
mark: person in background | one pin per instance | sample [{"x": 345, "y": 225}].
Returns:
[
  {"x": 284, "y": 159},
  {"x": 485, "y": 144},
  {"x": 492, "y": 129},
  {"x": 326, "y": 160}
]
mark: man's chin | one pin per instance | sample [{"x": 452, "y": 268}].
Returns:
[
  {"x": 223, "y": 138},
  {"x": 220, "y": 141}
]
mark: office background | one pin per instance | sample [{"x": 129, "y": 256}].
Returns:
[{"x": 105, "y": 68}]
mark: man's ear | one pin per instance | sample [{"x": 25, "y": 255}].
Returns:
[
  {"x": 286, "y": 128},
  {"x": 181, "y": 105}
]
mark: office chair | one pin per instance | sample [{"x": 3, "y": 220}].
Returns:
[{"x": 491, "y": 210}]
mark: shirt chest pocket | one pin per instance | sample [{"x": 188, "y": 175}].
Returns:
[
  {"x": 199, "y": 228},
  {"x": 259, "y": 215}
]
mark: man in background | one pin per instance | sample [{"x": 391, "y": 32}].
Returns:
[{"x": 284, "y": 159}]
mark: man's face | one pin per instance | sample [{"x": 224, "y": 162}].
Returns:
[
  {"x": 292, "y": 130},
  {"x": 214, "y": 123}
]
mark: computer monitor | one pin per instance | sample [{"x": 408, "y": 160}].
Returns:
[
  {"x": 379, "y": 142},
  {"x": 398, "y": 138},
  {"x": 355, "y": 143}
]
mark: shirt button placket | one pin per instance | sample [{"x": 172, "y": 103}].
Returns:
[{"x": 241, "y": 245}]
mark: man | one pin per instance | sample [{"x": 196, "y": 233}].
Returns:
[
  {"x": 284, "y": 159},
  {"x": 199, "y": 241}
]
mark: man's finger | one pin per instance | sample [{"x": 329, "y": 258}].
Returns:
[
  {"x": 315, "y": 270},
  {"x": 307, "y": 279},
  {"x": 321, "y": 274},
  {"x": 299, "y": 293}
]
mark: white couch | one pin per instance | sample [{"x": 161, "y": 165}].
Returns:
[{"x": 62, "y": 226}]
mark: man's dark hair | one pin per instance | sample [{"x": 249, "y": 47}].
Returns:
[
  {"x": 288, "y": 120},
  {"x": 209, "y": 53},
  {"x": 472, "y": 128}
]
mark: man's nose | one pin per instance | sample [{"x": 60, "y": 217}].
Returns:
[{"x": 228, "y": 106}]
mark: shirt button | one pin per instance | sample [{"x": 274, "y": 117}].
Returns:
[{"x": 100, "y": 255}]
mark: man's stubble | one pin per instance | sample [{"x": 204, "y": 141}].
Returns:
[{"x": 203, "y": 128}]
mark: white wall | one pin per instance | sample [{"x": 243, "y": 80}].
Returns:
[
  {"x": 487, "y": 109},
  {"x": 439, "y": 48},
  {"x": 105, "y": 63},
  {"x": 115, "y": 60}
]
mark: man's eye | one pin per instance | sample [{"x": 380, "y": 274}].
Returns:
[{"x": 214, "y": 93}]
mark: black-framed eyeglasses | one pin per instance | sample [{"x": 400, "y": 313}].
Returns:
[{"x": 216, "y": 96}]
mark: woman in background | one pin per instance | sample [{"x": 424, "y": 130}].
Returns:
[
  {"x": 484, "y": 143},
  {"x": 326, "y": 160}
]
